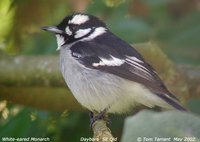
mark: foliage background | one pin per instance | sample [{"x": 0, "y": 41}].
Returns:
[{"x": 172, "y": 24}]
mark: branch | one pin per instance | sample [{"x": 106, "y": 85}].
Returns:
[
  {"x": 101, "y": 132},
  {"x": 32, "y": 80}
]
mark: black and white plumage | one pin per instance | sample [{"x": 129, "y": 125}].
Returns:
[{"x": 105, "y": 72}]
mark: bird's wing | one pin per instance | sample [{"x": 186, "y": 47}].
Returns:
[{"x": 119, "y": 58}]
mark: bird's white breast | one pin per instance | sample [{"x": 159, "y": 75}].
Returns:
[{"x": 93, "y": 89}]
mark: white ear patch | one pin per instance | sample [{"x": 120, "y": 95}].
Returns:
[
  {"x": 97, "y": 32},
  {"x": 79, "y": 19},
  {"x": 60, "y": 41},
  {"x": 82, "y": 32}
]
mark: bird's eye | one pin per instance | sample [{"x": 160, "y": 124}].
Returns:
[{"x": 73, "y": 27}]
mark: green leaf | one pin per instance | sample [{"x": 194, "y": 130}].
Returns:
[
  {"x": 170, "y": 124},
  {"x": 6, "y": 21},
  {"x": 17, "y": 126}
]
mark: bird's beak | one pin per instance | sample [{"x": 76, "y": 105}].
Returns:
[{"x": 52, "y": 29}]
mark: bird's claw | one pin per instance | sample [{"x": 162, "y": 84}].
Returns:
[{"x": 99, "y": 116}]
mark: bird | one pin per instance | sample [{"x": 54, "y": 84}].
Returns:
[{"x": 105, "y": 73}]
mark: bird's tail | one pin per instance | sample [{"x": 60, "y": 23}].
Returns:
[{"x": 172, "y": 102}]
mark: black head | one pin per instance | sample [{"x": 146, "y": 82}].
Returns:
[{"x": 77, "y": 27}]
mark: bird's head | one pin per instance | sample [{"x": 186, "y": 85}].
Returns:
[{"x": 77, "y": 27}]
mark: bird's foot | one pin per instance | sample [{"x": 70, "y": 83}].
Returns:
[{"x": 98, "y": 116}]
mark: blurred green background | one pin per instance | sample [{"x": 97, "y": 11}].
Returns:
[{"x": 174, "y": 25}]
